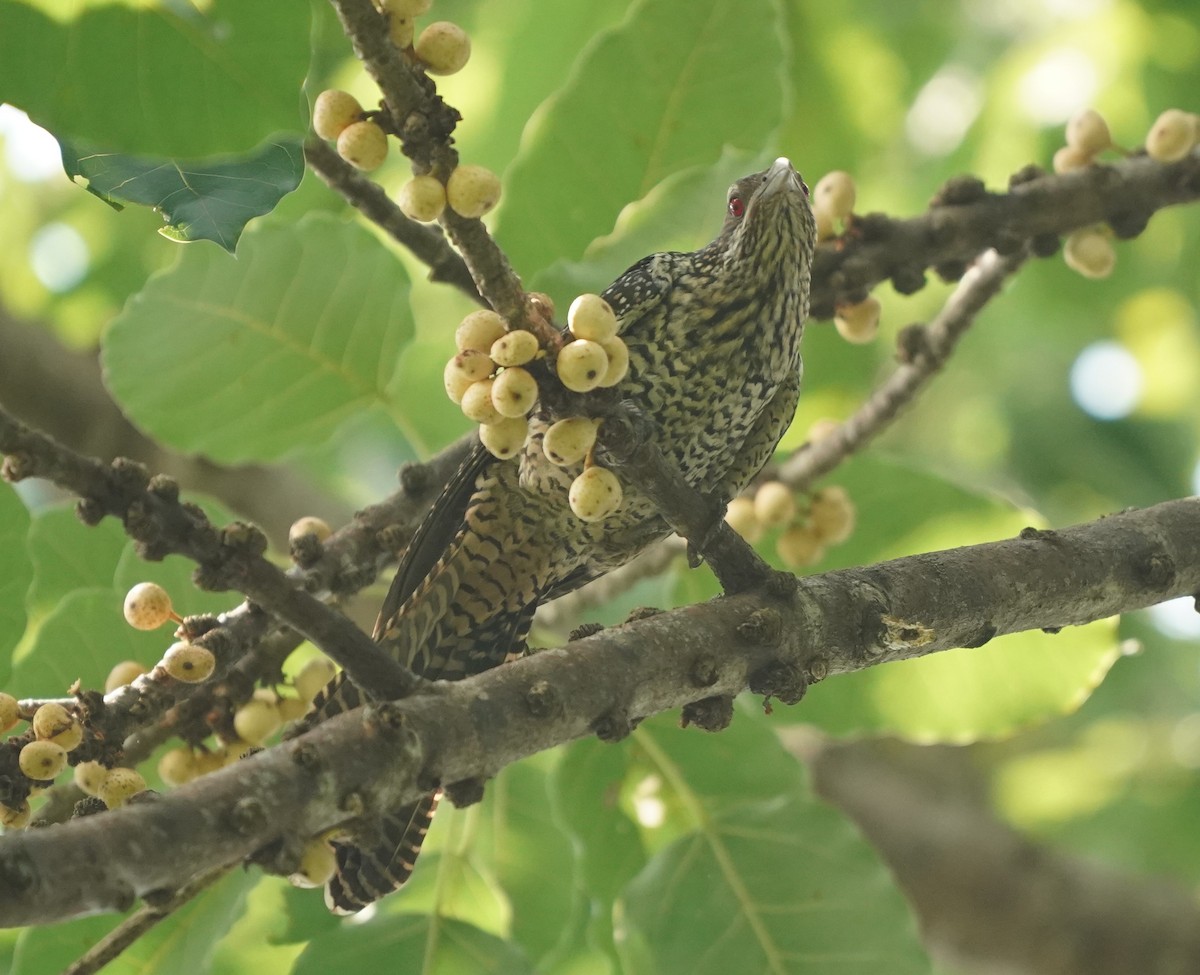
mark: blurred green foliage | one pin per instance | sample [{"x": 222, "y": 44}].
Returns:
[{"x": 616, "y": 127}]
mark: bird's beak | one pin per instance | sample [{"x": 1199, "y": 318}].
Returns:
[{"x": 781, "y": 177}]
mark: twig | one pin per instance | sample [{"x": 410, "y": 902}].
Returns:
[
  {"x": 691, "y": 514},
  {"x": 128, "y": 931},
  {"x": 964, "y": 220},
  {"x": 231, "y": 558},
  {"x": 426, "y": 242},
  {"x": 380, "y": 757},
  {"x": 425, "y": 123},
  {"x": 924, "y": 350}
]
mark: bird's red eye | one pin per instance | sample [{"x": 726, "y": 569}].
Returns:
[{"x": 736, "y": 206}]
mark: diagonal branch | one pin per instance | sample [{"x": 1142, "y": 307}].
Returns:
[
  {"x": 231, "y": 558},
  {"x": 379, "y": 757},
  {"x": 924, "y": 351}
]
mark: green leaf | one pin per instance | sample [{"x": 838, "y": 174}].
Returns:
[
  {"x": 174, "y": 80},
  {"x": 683, "y": 212},
  {"x": 665, "y": 90},
  {"x": 81, "y": 639},
  {"x": 608, "y": 852},
  {"x": 247, "y": 360},
  {"x": 767, "y": 879},
  {"x": 184, "y": 942},
  {"x": 68, "y": 555},
  {"x": 454, "y": 887},
  {"x": 82, "y": 575},
  {"x": 16, "y": 577},
  {"x": 401, "y": 943},
  {"x": 530, "y": 855},
  {"x": 209, "y": 199}
]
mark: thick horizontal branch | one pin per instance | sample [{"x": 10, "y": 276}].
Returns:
[{"x": 376, "y": 758}]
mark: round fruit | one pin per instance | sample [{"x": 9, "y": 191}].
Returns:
[
  {"x": 88, "y": 776},
  {"x": 42, "y": 760},
  {"x": 333, "y": 111},
  {"x": 618, "y": 361},
  {"x": 472, "y": 365},
  {"x": 505, "y": 438},
  {"x": 10, "y": 713},
  {"x": 858, "y": 323},
  {"x": 309, "y": 525},
  {"x": 568, "y": 441},
  {"x": 455, "y": 383},
  {"x": 51, "y": 719},
  {"x": 1172, "y": 135},
  {"x": 514, "y": 392},
  {"x": 126, "y": 672},
  {"x": 516, "y": 348},
  {"x": 443, "y": 48},
  {"x": 799, "y": 546},
  {"x": 313, "y": 676},
  {"x": 119, "y": 785},
  {"x": 591, "y": 317},
  {"x": 831, "y": 515},
  {"x": 477, "y": 403},
  {"x": 255, "y": 721},
  {"x": 363, "y": 145},
  {"x": 1091, "y": 253},
  {"x": 582, "y": 365},
  {"x": 401, "y": 30},
  {"x": 472, "y": 191},
  {"x": 774, "y": 504},
  {"x": 1087, "y": 133},
  {"x": 1068, "y": 159},
  {"x": 317, "y": 864},
  {"x": 291, "y": 709},
  {"x": 405, "y": 8},
  {"x": 825, "y": 223},
  {"x": 147, "y": 606},
  {"x": 208, "y": 761},
  {"x": 189, "y": 663},
  {"x": 71, "y": 737},
  {"x": 595, "y": 494},
  {"x": 741, "y": 518},
  {"x": 17, "y": 818},
  {"x": 479, "y": 331},
  {"x": 422, "y": 198},
  {"x": 177, "y": 766},
  {"x": 834, "y": 193}
]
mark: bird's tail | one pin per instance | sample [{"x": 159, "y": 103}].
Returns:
[
  {"x": 366, "y": 873},
  {"x": 462, "y": 603}
]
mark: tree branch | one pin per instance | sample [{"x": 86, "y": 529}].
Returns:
[
  {"x": 379, "y": 757},
  {"x": 986, "y": 895},
  {"x": 426, "y": 242},
  {"x": 924, "y": 350},
  {"x": 964, "y": 220},
  {"x": 231, "y": 558}
]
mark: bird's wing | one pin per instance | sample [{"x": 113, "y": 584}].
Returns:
[
  {"x": 764, "y": 436},
  {"x": 642, "y": 287},
  {"x": 434, "y": 535}
]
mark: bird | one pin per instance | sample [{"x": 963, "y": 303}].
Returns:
[{"x": 714, "y": 366}]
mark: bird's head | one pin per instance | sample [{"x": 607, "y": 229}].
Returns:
[{"x": 769, "y": 223}]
